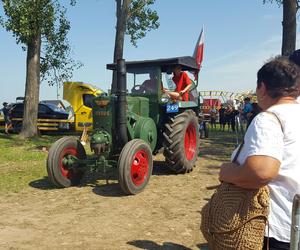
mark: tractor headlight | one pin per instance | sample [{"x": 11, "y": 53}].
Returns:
[{"x": 165, "y": 98}]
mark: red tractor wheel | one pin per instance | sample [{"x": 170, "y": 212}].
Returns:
[
  {"x": 60, "y": 174},
  {"x": 135, "y": 166},
  {"x": 181, "y": 142}
]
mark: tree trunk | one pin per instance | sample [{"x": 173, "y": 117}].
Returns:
[
  {"x": 289, "y": 27},
  {"x": 122, "y": 13},
  {"x": 32, "y": 89}
]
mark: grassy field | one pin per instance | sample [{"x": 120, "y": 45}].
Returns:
[{"x": 22, "y": 162}]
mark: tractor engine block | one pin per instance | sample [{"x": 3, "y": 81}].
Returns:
[{"x": 100, "y": 142}]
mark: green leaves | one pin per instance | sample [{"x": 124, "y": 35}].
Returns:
[
  {"x": 141, "y": 19},
  {"x": 27, "y": 19}
]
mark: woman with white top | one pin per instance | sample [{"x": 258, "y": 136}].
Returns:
[{"x": 270, "y": 155}]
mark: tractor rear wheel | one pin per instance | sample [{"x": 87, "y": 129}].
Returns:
[
  {"x": 181, "y": 142},
  {"x": 60, "y": 174},
  {"x": 135, "y": 166}
]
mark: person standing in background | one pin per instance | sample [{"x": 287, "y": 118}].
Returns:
[
  {"x": 222, "y": 117},
  {"x": 6, "y": 114},
  {"x": 232, "y": 116},
  {"x": 255, "y": 111},
  {"x": 213, "y": 117},
  {"x": 228, "y": 115},
  {"x": 246, "y": 109}
]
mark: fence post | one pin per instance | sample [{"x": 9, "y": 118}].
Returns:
[{"x": 295, "y": 228}]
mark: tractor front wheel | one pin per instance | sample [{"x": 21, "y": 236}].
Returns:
[
  {"x": 135, "y": 166},
  {"x": 60, "y": 173},
  {"x": 181, "y": 142}
]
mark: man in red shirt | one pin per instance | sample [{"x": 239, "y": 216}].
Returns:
[{"x": 183, "y": 85}]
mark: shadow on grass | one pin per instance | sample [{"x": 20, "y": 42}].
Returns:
[
  {"x": 104, "y": 184},
  {"x": 43, "y": 184},
  {"x": 110, "y": 187},
  {"x": 109, "y": 190},
  {"x": 161, "y": 168},
  {"x": 151, "y": 245},
  {"x": 5, "y": 136}
]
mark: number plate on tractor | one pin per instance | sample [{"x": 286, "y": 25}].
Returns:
[{"x": 172, "y": 108}]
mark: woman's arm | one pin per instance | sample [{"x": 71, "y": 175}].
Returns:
[
  {"x": 256, "y": 172},
  {"x": 185, "y": 89}
]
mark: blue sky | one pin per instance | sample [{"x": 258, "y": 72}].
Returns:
[{"x": 239, "y": 37}]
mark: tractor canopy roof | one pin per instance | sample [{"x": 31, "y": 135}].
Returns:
[{"x": 166, "y": 65}]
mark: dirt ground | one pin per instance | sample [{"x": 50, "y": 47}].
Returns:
[{"x": 96, "y": 215}]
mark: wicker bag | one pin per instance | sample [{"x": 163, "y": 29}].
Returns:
[{"x": 235, "y": 218}]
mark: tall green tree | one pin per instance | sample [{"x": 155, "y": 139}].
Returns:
[
  {"x": 134, "y": 18},
  {"x": 41, "y": 27},
  {"x": 289, "y": 24}
]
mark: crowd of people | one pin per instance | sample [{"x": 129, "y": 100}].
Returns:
[{"x": 231, "y": 118}]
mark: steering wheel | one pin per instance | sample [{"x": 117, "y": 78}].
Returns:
[{"x": 139, "y": 88}]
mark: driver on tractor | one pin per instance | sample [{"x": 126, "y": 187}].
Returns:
[
  {"x": 150, "y": 84},
  {"x": 183, "y": 85}
]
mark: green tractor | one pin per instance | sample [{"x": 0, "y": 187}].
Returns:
[{"x": 131, "y": 125}]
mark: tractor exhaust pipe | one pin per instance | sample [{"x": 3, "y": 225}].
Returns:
[{"x": 121, "y": 102}]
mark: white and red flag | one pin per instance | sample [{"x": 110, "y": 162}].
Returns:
[{"x": 198, "y": 52}]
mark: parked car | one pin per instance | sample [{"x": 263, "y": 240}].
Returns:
[
  {"x": 50, "y": 117},
  {"x": 46, "y": 111}
]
